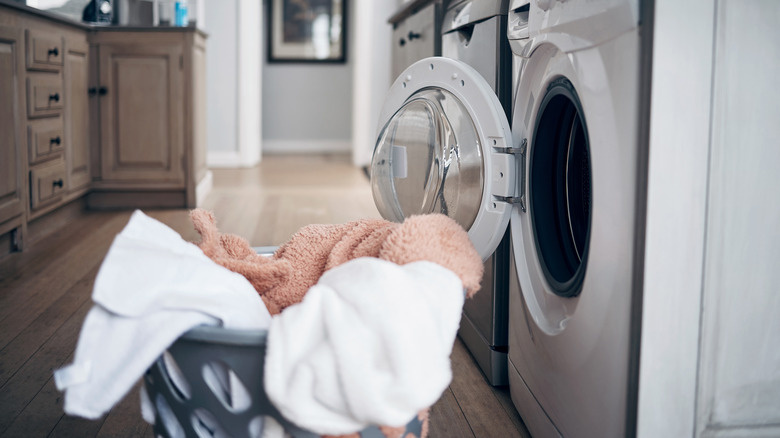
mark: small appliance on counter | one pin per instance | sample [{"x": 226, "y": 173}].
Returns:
[
  {"x": 99, "y": 12},
  {"x": 135, "y": 12}
]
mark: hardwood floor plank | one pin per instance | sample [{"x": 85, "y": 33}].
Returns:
[
  {"x": 30, "y": 297},
  {"x": 25, "y": 385},
  {"x": 74, "y": 427},
  {"x": 484, "y": 413},
  {"x": 18, "y": 266},
  {"x": 125, "y": 418},
  {"x": 504, "y": 397},
  {"x": 267, "y": 222},
  {"x": 447, "y": 419},
  {"x": 178, "y": 220},
  {"x": 40, "y": 416},
  {"x": 20, "y": 349}
]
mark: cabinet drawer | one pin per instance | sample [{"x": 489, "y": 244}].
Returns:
[
  {"x": 44, "y": 51},
  {"x": 45, "y": 139},
  {"x": 44, "y": 95},
  {"x": 47, "y": 184},
  {"x": 415, "y": 38}
]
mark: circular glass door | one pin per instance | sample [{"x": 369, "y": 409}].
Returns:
[
  {"x": 431, "y": 156},
  {"x": 442, "y": 148}
]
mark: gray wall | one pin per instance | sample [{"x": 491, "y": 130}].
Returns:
[
  {"x": 308, "y": 103},
  {"x": 221, "y": 74}
]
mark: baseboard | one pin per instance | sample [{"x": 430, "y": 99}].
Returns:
[
  {"x": 204, "y": 188},
  {"x": 51, "y": 222},
  {"x": 125, "y": 200},
  {"x": 228, "y": 159},
  {"x": 306, "y": 146}
]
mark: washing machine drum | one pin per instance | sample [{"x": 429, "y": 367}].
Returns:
[{"x": 444, "y": 146}]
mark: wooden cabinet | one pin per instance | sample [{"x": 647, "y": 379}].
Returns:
[
  {"x": 141, "y": 113},
  {"x": 47, "y": 183},
  {"x": 44, "y": 50},
  {"x": 45, "y": 139},
  {"x": 11, "y": 166},
  {"x": 150, "y": 97},
  {"x": 44, "y": 95},
  {"x": 96, "y": 117},
  {"x": 47, "y": 146},
  {"x": 76, "y": 75}
]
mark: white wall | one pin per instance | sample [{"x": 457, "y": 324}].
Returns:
[
  {"x": 372, "y": 76},
  {"x": 710, "y": 353},
  {"x": 291, "y": 108},
  {"x": 221, "y": 74},
  {"x": 250, "y": 27},
  {"x": 307, "y": 107},
  {"x": 235, "y": 29}
]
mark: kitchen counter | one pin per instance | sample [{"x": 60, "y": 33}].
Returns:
[
  {"x": 95, "y": 117},
  {"x": 62, "y": 19}
]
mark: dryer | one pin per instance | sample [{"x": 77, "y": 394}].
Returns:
[{"x": 566, "y": 174}]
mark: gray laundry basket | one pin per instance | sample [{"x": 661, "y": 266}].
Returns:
[{"x": 192, "y": 382}]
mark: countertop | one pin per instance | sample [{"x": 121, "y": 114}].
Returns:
[
  {"x": 10, "y": 4},
  {"x": 409, "y": 8}
]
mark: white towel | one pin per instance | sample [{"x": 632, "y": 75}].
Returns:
[
  {"x": 369, "y": 344},
  {"x": 152, "y": 287}
]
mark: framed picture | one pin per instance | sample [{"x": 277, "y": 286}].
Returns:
[{"x": 307, "y": 31}]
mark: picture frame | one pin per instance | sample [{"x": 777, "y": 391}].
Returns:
[{"x": 307, "y": 31}]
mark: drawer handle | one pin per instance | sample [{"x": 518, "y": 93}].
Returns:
[
  {"x": 101, "y": 91},
  {"x": 55, "y": 140},
  {"x": 55, "y": 97},
  {"x": 57, "y": 183},
  {"x": 402, "y": 42},
  {"x": 414, "y": 35},
  {"x": 54, "y": 52}
]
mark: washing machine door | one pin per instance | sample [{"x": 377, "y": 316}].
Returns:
[{"x": 444, "y": 146}]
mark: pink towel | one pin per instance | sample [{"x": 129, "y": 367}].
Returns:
[{"x": 284, "y": 278}]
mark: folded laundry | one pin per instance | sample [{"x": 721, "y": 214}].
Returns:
[
  {"x": 369, "y": 344},
  {"x": 152, "y": 287}
]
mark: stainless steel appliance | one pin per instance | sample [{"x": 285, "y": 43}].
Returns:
[
  {"x": 416, "y": 33},
  {"x": 474, "y": 32}
]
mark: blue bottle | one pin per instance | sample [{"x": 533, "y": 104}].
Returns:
[{"x": 181, "y": 18}]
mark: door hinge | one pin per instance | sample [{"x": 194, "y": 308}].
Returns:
[{"x": 520, "y": 152}]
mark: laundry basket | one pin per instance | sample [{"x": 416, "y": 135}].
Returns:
[{"x": 210, "y": 384}]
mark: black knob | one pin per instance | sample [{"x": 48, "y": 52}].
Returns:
[
  {"x": 413, "y": 35},
  {"x": 402, "y": 42},
  {"x": 57, "y": 183},
  {"x": 55, "y": 52},
  {"x": 55, "y": 140},
  {"x": 55, "y": 97},
  {"x": 92, "y": 91},
  {"x": 102, "y": 91}
]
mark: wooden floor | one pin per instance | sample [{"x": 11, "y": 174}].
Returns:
[{"x": 45, "y": 294}]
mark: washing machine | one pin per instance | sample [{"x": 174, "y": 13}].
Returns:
[
  {"x": 562, "y": 180},
  {"x": 474, "y": 33},
  {"x": 572, "y": 338}
]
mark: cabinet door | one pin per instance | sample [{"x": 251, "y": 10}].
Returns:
[
  {"x": 141, "y": 113},
  {"x": 11, "y": 193},
  {"x": 77, "y": 113}
]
